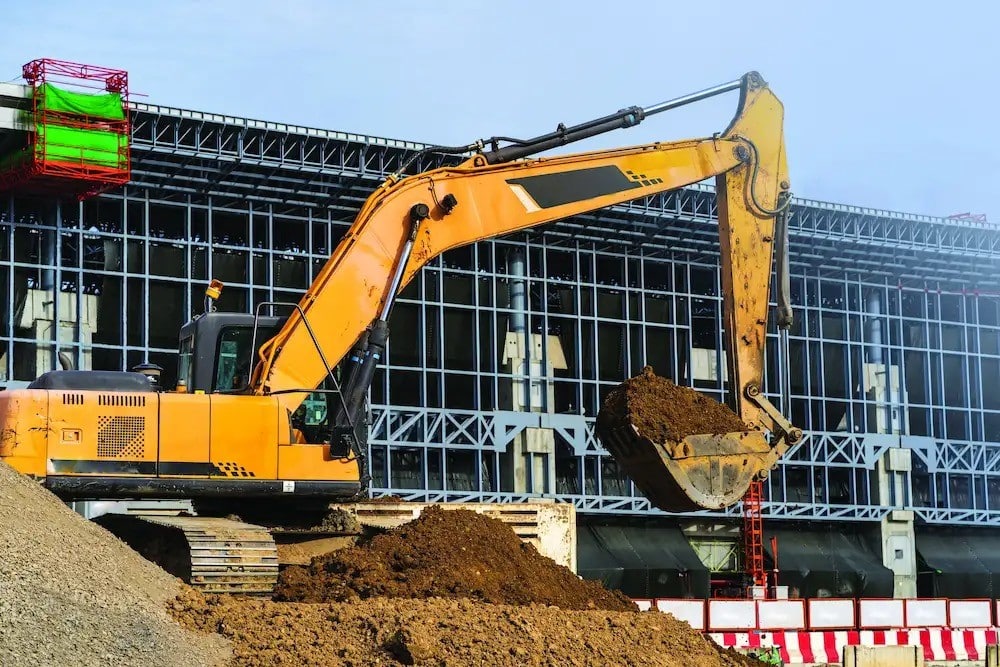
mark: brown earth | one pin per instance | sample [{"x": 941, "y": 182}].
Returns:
[
  {"x": 449, "y": 554},
  {"x": 383, "y": 500},
  {"x": 439, "y": 632},
  {"x": 663, "y": 411}
]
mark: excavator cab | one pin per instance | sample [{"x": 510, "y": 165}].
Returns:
[{"x": 217, "y": 352}]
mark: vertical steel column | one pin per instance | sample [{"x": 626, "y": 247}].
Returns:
[
  {"x": 873, "y": 308},
  {"x": 78, "y": 350},
  {"x": 517, "y": 322},
  {"x": 188, "y": 254},
  {"x": 145, "y": 276},
  {"x": 56, "y": 282},
  {"x": 8, "y": 333}
]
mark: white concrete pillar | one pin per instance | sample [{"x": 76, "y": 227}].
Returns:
[
  {"x": 77, "y": 323},
  {"x": 532, "y": 452},
  {"x": 899, "y": 551}
]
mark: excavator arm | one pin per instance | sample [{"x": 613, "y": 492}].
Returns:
[{"x": 409, "y": 220}]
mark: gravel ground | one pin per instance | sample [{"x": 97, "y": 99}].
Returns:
[{"x": 73, "y": 594}]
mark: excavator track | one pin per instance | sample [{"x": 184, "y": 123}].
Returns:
[{"x": 213, "y": 555}]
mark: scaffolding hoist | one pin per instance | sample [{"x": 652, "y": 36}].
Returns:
[{"x": 75, "y": 131}]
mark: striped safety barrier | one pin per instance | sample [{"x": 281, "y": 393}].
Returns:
[
  {"x": 828, "y": 614},
  {"x": 827, "y": 647}
]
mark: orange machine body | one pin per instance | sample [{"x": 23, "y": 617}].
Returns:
[{"x": 109, "y": 444}]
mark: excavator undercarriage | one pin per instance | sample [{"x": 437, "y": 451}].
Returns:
[{"x": 237, "y": 554}]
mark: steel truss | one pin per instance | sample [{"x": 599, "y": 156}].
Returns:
[
  {"x": 817, "y": 455},
  {"x": 206, "y": 170}
]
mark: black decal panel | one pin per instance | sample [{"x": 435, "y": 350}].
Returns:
[{"x": 549, "y": 190}]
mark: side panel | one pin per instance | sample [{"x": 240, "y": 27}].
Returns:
[
  {"x": 313, "y": 462},
  {"x": 23, "y": 429},
  {"x": 244, "y": 434},
  {"x": 185, "y": 426},
  {"x": 102, "y": 433}
]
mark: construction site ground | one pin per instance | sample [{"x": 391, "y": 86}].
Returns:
[{"x": 449, "y": 588}]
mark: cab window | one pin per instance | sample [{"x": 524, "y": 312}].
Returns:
[
  {"x": 232, "y": 365},
  {"x": 184, "y": 361}
]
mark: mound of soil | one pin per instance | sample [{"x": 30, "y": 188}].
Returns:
[
  {"x": 446, "y": 553},
  {"x": 71, "y": 593},
  {"x": 388, "y": 632},
  {"x": 663, "y": 411}
]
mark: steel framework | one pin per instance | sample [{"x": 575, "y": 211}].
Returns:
[{"x": 260, "y": 205}]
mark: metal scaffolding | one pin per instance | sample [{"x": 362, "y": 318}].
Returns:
[{"x": 261, "y": 205}]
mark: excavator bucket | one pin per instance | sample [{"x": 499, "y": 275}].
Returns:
[{"x": 682, "y": 450}]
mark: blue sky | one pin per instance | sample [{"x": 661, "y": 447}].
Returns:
[{"x": 888, "y": 104}]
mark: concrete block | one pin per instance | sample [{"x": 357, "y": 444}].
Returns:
[
  {"x": 883, "y": 656},
  {"x": 12, "y": 120},
  {"x": 539, "y": 441},
  {"x": 899, "y": 460}
]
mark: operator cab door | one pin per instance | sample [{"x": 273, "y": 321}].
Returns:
[
  {"x": 234, "y": 360},
  {"x": 244, "y": 437}
]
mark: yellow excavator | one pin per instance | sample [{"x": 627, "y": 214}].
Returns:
[{"x": 231, "y": 436}]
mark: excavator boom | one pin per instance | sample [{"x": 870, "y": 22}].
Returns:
[{"x": 408, "y": 221}]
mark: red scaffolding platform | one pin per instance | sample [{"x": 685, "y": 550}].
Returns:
[{"x": 72, "y": 148}]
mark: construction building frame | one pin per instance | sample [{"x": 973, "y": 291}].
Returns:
[{"x": 892, "y": 367}]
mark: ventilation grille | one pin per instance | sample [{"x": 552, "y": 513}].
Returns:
[
  {"x": 72, "y": 399},
  {"x": 127, "y": 401},
  {"x": 121, "y": 437}
]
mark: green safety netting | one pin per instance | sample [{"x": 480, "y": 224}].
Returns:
[
  {"x": 69, "y": 144},
  {"x": 58, "y": 142},
  {"x": 107, "y": 106}
]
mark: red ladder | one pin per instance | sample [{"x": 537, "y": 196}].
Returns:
[{"x": 753, "y": 535}]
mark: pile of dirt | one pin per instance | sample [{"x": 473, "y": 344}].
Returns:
[
  {"x": 383, "y": 631},
  {"x": 446, "y": 553},
  {"x": 73, "y": 594},
  {"x": 663, "y": 411}
]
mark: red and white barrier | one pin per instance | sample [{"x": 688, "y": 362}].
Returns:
[
  {"x": 691, "y": 612},
  {"x": 970, "y": 614},
  {"x": 781, "y": 614},
  {"x": 827, "y": 647},
  {"x": 828, "y": 614},
  {"x": 732, "y": 614}
]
